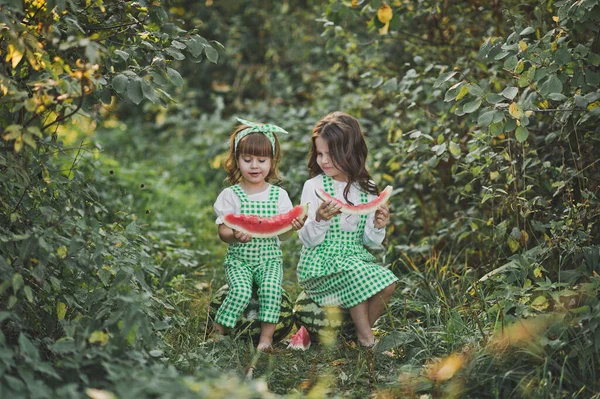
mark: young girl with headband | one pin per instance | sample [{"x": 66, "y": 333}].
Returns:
[
  {"x": 335, "y": 268},
  {"x": 252, "y": 163}
]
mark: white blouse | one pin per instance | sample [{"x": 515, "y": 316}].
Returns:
[
  {"x": 313, "y": 233},
  {"x": 228, "y": 202}
]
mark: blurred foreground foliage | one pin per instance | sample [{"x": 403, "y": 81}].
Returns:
[{"x": 484, "y": 116}]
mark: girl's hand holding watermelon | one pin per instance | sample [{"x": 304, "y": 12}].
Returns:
[
  {"x": 241, "y": 236},
  {"x": 327, "y": 210},
  {"x": 382, "y": 217}
]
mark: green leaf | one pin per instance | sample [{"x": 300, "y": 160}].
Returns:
[
  {"x": 472, "y": 106},
  {"x": 511, "y": 62},
  {"x": 496, "y": 129},
  {"x": 131, "y": 228},
  {"x": 175, "y": 53},
  {"x": 61, "y": 310},
  {"x": 28, "y": 293},
  {"x": 513, "y": 244},
  {"x": 27, "y": 348},
  {"x": 134, "y": 91},
  {"x": 178, "y": 45},
  {"x": 455, "y": 149},
  {"x": 493, "y": 98},
  {"x": 211, "y": 54},
  {"x": 485, "y": 119},
  {"x": 557, "y": 97},
  {"x": 122, "y": 54},
  {"x": 498, "y": 116},
  {"x": 527, "y": 31},
  {"x": 446, "y": 76},
  {"x": 17, "y": 282},
  {"x": 174, "y": 77},
  {"x": 510, "y": 92},
  {"x": 149, "y": 92},
  {"x": 551, "y": 85},
  {"x": 521, "y": 134},
  {"x": 119, "y": 83}
]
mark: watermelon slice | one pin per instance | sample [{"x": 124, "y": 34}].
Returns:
[
  {"x": 360, "y": 209},
  {"x": 300, "y": 340},
  {"x": 265, "y": 227}
]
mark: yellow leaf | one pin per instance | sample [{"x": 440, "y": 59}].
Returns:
[
  {"x": 15, "y": 55},
  {"x": 512, "y": 244},
  {"x": 62, "y": 252},
  {"x": 555, "y": 19},
  {"x": 354, "y": 3},
  {"x": 522, "y": 45},
  {"x": 61, "y": 310},
  {"x": 544, "y": 104},
  {"x": 384, "y": 14},
  {"x": 593, "y": 105},
  {"x": 515, "y": 110},
  {"x": 537, "y": 272},
  {"x": 18, "y": 144},
  {"x": 524, "y": 237},
  {"x": 540, "y": 303},
  {"x": 98, "y": 336},
  {"x": 384, "y": 29},
  {"x": 464, "y": 90}
]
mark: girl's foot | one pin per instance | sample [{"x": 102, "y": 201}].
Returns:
[
  {"x": 264, "y": 347},
  {"x": 368, "y": 343},
  {"x": 265, "y": 343}
]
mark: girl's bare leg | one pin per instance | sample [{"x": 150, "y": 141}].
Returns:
[
  {"x": 360, "y": 317},
  {"x": 266, "y": 336},
  {"x": 378, "y": 302}
]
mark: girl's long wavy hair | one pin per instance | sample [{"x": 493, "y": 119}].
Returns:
[
  {"x": 347, "y": 149},
  {"x": 256, "y": 144}
]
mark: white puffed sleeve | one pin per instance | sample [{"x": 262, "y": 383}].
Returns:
[
  {"x": 313, "y": 233},
  {"x": 227, "y": 202}
]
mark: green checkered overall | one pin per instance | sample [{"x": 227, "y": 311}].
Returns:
[
  {"x": 258, "y": 261},
  {"x": 340, "y": 271}
]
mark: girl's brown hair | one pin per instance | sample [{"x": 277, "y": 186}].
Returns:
[
  {"x": 347, "y": 148},
  {"x": 256, "y": 144}
]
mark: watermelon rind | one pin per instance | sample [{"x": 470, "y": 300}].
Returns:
[
  {"x": 256, "y": 225},
  {"x": 323, "y": 323},
  {"x": 360, "y": 209},
  {"x": 248, "y": 326}
]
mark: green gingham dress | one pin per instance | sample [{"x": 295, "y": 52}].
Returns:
[
  {"x": 340, "y": 271},
  {"x": 257, "y": 261}
]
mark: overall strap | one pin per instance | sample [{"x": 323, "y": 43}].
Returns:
[
  {"x": 274, "y": 193},
  {"x": 335, "y": 222},
  {"x": 328, "y": 185},
  {"x": 363, "y": 218},
  {"x": 240, "y": 193}
]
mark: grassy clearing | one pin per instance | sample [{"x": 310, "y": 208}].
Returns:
[{"x": 515, "y": 333}]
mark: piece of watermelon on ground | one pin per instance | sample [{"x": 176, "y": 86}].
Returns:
[{"x": 300, "y": 340}]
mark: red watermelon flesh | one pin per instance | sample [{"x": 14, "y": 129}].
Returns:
[
  {"x": 300, "y": 340},
  {"x": 360, "y": 209},
  {"x": 265, "y": 227}
]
